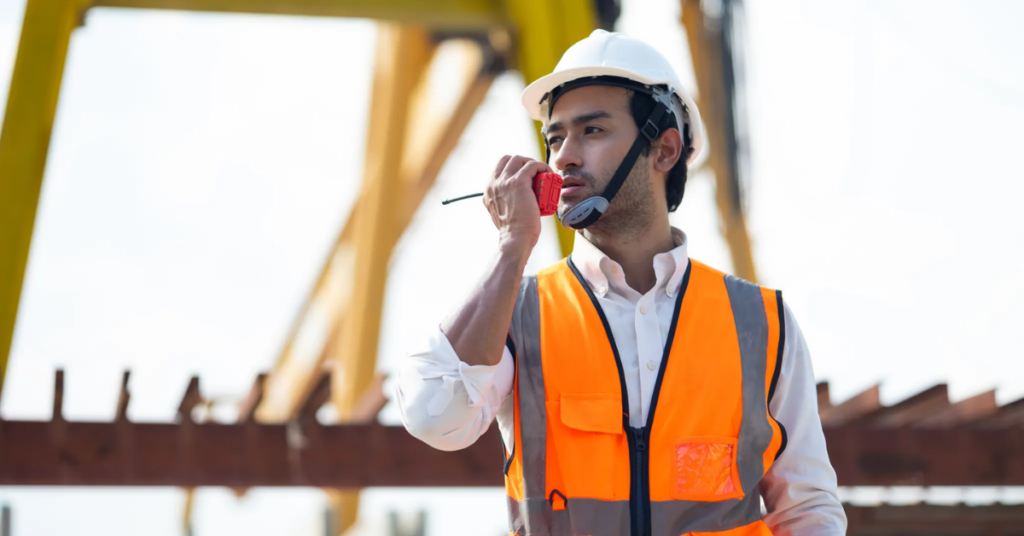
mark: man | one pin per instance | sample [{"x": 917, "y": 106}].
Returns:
[{"x": 637, "y": 392}]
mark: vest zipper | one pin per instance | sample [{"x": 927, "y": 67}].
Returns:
[
  {"x": 639, "y": 461},
  {"x": 642, "y": 493}
]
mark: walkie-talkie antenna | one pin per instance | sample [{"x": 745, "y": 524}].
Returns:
[
  {"x": 454, "y": 199},
  {"x": 547, "y": 187}
]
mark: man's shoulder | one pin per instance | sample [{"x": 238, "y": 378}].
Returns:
[
  {"x": 708, "y": 272},
  {"x": 562, "y": 265}
]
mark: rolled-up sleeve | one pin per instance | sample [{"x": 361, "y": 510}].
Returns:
[
  {"x": 445, "y": 402},
  {"x": 800, "y": 490}
]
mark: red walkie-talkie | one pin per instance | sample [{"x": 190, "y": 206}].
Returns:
[{"x": 547, "y": 186}]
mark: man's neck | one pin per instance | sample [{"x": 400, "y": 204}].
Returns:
[{"x": 634, "y": 251}]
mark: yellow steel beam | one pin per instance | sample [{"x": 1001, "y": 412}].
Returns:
[
  {"x": 707, "y": 53},
  {"x": 435, "y": 13},
  {"x": 433, "y": 131},
  {"x": 546, "y": 29},
  {"x": 402, "y": 56},
  {"x": 24, "y": 142},
  {"x": 414, "y": 126}
]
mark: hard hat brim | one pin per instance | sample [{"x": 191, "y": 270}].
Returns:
[{"x": 532, "y": 95}]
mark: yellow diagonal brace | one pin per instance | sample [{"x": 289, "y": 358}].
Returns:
[
  {"x": 434, "y": 131},
  {"x": 403, "y": 53},
  {"x": 24, "y": 141},
  {"x": 706, "y": 51},
  {"x": 402, "y": 56},
  {"x": 435, "y": 13},
  {"x": 546, "y": 29},
  {"x": 339, "y": 325}
]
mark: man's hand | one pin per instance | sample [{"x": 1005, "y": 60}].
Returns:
[{"x": 513, "y": 206}]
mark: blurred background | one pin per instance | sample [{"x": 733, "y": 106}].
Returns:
[{"x": 196, "y": 226}]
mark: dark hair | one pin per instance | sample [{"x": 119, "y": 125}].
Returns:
[{"x": 640, "y": 105}]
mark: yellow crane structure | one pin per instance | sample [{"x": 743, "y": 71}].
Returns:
[{"x": 409, "y": 138}]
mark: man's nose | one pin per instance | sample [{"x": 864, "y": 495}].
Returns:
[{"x": 568, "y": 154}]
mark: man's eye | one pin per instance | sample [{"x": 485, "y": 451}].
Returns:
[
  {"x": 591, "y": 130},
  {"x": 554, "y": 139}
]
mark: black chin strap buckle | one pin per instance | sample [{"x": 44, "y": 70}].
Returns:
[{"x": 650, "y": 130}]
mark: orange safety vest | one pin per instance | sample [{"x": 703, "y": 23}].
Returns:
[{"x": 578, "y": 468}]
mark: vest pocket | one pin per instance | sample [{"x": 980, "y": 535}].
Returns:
[
  {"x": 705, "y": 469},
  {"x": 587, "y": 433}
]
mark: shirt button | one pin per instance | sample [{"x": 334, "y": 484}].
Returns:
[
  {"x": 643, "y": 310},
  {"x": 668, "y": 290},
  {"x": 602, "y": 290},
  {"x": 651, "y": 365}
]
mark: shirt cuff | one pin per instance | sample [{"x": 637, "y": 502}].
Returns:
[{"x": 441, "y": 362}]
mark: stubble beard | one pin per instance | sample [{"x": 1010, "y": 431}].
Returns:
[{"x": 631, "y": 212}]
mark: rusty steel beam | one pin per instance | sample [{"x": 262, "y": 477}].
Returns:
[
  {"x": 961, "y": 456},
  {"x": 189, "y": 400},
  {"x": 235, "y": 455},
  {"x": 931, "y": 519},
  {"x": 369, "y": 405},
  {"x": 363, "y": 455},
  {"x": 1008, "y": 415},
  {"x": 824, "y": 396},
  {"x": 863, "y": 403},
  {"x": 58, "y": 396},
  {"x": 319, "y": 396},
  {"x": 909, "y": 411},
  {"x": 121, "y": 413},
  {"x": 966, "y": 411},
  {"x": 247, "y": 409}
]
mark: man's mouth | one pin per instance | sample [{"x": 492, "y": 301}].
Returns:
[{"x": 571, "y": 185}]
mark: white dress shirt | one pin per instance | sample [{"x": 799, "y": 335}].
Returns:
[{"x": 449, "y": 404}]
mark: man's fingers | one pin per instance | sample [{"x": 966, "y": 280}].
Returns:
[
  {"x": 514, "y": 164},
  {"x": 501, "y": 165},
  {"x": 531, "y": 169}
]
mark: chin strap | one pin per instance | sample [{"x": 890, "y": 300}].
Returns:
[{"x": 590, "y": 210}]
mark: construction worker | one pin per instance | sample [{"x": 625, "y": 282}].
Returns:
[{"x": 637, "y": 391}]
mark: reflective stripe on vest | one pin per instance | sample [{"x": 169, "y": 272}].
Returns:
[{"x": 710, "y": 437}]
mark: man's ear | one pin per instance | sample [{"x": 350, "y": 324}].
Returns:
[{"x": 667, "y": 150}]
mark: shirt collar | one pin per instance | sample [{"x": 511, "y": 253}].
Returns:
[{"x": 597, "y": 268}]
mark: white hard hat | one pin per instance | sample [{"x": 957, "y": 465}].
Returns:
[{"x": 613, "y": 54}]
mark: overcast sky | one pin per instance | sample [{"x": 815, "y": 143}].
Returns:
[{"x": 201, "y": 166}]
